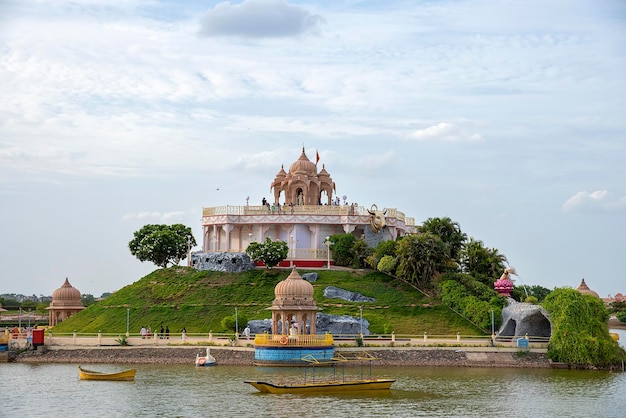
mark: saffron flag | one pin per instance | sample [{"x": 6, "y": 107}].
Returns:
[{"x": 317, "y": 157}]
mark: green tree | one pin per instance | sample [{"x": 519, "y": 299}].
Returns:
[
  {"x": 87, "y": 299},
  {"x": 580, "y": 332},
  {"x": 341, "y": 246},
  {"x": 387, "y": 264},
  {"x": 162, "y": 244},
  {"x": 270, "y": 253},
  {"x": 449, "y": 232},
  {"x": 485, "y": 264},
  {"x": 421, "y": 257},
  {"x": 360, "y": 252}
]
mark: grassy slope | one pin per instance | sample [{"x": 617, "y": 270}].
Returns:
[{"x": 182, "y": 297}]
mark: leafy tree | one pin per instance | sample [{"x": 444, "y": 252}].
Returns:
[
  {"x": 421, "y": 257},
  {"x": 580, "y": 333},
  {"x": 485, "y": 264},
  {"x": 87, "y": 299},
  {"x": 449, "y": 232},
  {"x": 360, "y": 252},
  {"x": 231, "y": 322},
  {"x": 162, "y": 244},
  {"x": 271, "y": 253},
  {"x": 341, "y": 247},
  {"x": 621, "y": 316}
]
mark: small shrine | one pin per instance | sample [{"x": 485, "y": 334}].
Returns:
[
  {"x": 293, "y": 334},
  {"x": 585, "y": 290},
  {"x": 66, "y": 301},
  {"x": 504, "y": 285}
]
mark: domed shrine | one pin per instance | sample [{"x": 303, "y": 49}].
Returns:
[
  {"x": 303, "y": 212},
  {"x": 66, "y": 301},
  {"x": 504, "y": 285},
  {"x": 584, "y": 289},
  {"x": 293, "y": 326}
]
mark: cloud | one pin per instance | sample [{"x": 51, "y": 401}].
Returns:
[
  {"x": 601, "y": 199},
  {"x": 445, "y": 132},
  {"x": 258, "y": 19},
  {"x": 167, "y": 217}
]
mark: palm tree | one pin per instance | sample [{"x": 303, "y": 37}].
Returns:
[
  {"x": 449, "y": 232},
  {"x": 421, "y": 257}
]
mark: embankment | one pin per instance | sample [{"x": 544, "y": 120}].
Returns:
[{"x": 442, "y": 357}]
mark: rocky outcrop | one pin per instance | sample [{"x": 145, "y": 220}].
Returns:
[
  {"x": 332, "y": 292},
  {"x": 334, "y": 324},
  {"x": 227, "y": 262},
  {"x": 311, "y": 277},
  {"x": 519, "y": 319},
  {"x": 341, "y": 325}
]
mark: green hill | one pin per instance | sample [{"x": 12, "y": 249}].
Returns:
[{"x": 183, "y": 297}]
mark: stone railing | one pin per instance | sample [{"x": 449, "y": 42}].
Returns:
[{"x": 345, "y": 210}]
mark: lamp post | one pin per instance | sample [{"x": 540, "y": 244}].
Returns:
[
  {"x": 28, "y": 318},
  {"x": 492, "y": 324},
  {"x": 19, "y": 319},
  {"x": 361, "y": 319},
  {"x": 127, "y": 322},
  {"x": 327, "y": 243},
  {"x": 236, "y": 323}
]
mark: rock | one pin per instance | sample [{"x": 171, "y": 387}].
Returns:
[
  {"x": 333, "y": 292},
  {"x": 311, "y": 277},
  {"x": 259, "y": 326},
  {"x": 340, "y": 324},
  {"x": 227, "y": 262},
  {"x": 520, "y": 318}
]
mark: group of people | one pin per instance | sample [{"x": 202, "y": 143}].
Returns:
[{"x": 147, "y": 332}]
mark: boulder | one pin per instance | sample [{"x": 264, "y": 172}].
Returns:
[
  {"x": 340, "y": 324},
  {"x": 520, "y": 318},
  {"x": 311, "y": 277},
  {"x": 334, "y": 324},
  {"x": 333, "y": 292},
  {"x": 227, "y": 262}
]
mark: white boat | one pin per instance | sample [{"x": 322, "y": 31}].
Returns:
[{"x": 204, "y": 361}]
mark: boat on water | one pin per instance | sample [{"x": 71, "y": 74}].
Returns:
[
  {"x": 125, "y": 375},
  {"x": 206, "y": 360},
  {"x": 311, "y": 383}
]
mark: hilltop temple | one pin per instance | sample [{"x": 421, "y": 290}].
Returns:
[{"x": 304, "y": 213}]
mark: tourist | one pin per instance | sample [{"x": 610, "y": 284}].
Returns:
[
  {"x": 161, "y": 333},
  {"x": 246, "y": 332},
  {"x": 167, "y": 332},
  {"x": 144, "y": 331}
]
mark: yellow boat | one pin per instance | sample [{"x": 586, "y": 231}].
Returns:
[
  {"x": 330, "y": 386},
  {"x": 125, "y": 375},
  {"x": 344, "y": 384}
]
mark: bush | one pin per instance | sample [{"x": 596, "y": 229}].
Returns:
[{"x": 387, "y": 264}]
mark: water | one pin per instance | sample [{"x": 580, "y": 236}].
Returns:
[{"x": 53, "y": 390}]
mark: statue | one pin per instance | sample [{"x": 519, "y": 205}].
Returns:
[{"x": 377, "y": 221}]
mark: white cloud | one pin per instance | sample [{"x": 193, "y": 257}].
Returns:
[
  {"x": 445, "y": 132},
  {"x": 259, "y": 19},
  {"x": 601, "y": 199}
]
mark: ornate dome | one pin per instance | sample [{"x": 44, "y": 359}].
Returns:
[
  {"x": 584, "y": 289},
  {"x": 66, "y": 295},
  {"x": 294, "y": 290},
  {"x": 303, "y": 165}
]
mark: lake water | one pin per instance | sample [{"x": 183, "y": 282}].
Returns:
[{"x": 53, "y": 390}]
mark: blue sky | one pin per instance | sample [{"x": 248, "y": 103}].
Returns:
[{"x": 506, "y": 116}]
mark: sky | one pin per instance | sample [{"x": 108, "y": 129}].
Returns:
[{"x": 506, "y": 116}]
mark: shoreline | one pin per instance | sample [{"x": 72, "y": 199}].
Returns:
[{"x": 244, "y": 356}]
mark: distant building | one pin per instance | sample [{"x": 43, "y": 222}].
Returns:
[{"x": 303, "y": 212}]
